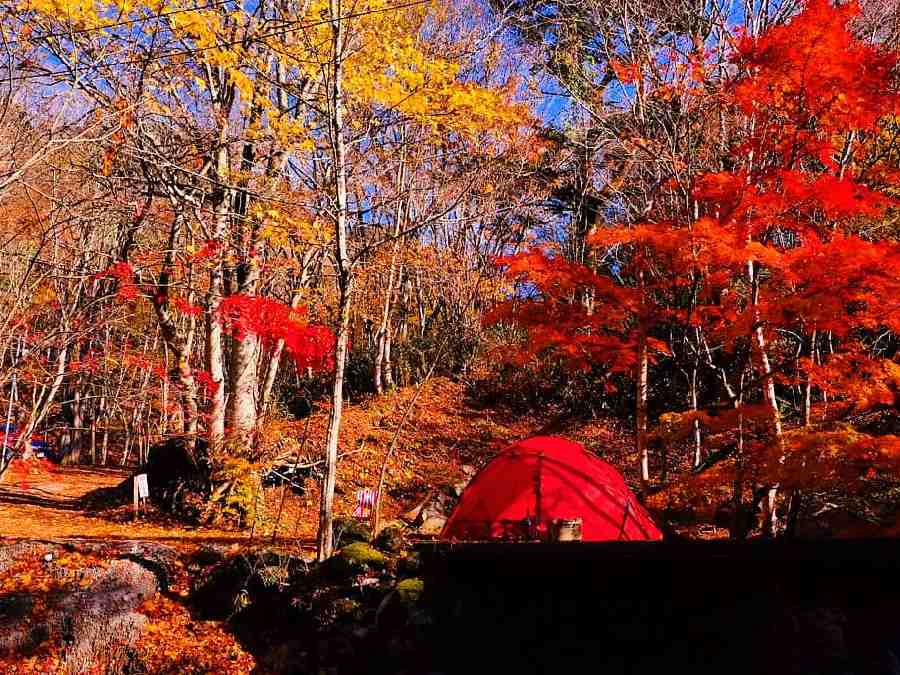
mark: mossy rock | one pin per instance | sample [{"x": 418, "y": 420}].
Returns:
[
  {"x": 409, "y": 591},
  {"x": 390, "y": 539},
  {"x": 409, "y": 564},
  {"x": 349, "y": 530},
  {"x": 363, "y": 556},
  {"x": 399, "y": 606}
]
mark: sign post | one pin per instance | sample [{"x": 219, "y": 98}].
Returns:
[{"x": 141, "y": 493}]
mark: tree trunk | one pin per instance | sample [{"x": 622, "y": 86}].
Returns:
[
  {"x": 641, "y": 405},
  {"x": 344, "y": 282},
  {"x": 182, "y": 372},
  {"x": 383, "y": 376},
  {"x": 388, "y": 366},
  {"x": 72, "y": 435},
  {"x": 326, "y": 514},
  {"x": 177, "y": 343},
  {"x": 104, "y": 440},
  {"x": 770, "y": 517},
  {"x": 215, "y": 361},
  {"x": 242, "y": 404},
  {"x": 78, "y": 426},
  {"x": 42, "y": 405},
  {"x": 93, "y": 430},
  {"x": 215, "y": 358},
  {"x": 694, "y": 408},
  {"x": 807, "y": 394},
  {"x": 127, "y": 445},
  {"x": 739, "y": 525},
  {"x": 164, "y": 412},
  {"x": 13, "y": 396}
]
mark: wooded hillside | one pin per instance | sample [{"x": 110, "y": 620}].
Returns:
[{"x": 224, "y": 222}]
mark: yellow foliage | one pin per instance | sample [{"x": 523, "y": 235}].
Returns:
[
  {"x": 281, "y": 228},
  {"x": 44, "y": 295},
  {"x": 388, "y": 65},
  {"x": 389, "y": 62},
  {"x": 79, "y": 13}
]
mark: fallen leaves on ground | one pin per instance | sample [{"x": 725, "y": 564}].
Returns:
[{"x": 175, "y": 642}]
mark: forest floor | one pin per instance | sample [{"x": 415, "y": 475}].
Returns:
[
  {"x": 85, "y": 516},
  {"x": 444, "y": 432},
  {"x": 50, "y": 504}
]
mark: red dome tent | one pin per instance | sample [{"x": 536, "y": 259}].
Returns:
[{"x": 535, "y": 482}]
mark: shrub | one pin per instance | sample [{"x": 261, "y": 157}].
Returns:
[{"x": 237, "y": 494}]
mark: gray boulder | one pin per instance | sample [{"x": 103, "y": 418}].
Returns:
[{"x": 96, "y": 622}]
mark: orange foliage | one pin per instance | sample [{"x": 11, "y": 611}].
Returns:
[{"x": 175, "y": 642}]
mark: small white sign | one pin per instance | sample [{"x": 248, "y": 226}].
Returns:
[{"x": 143, "y": 489}]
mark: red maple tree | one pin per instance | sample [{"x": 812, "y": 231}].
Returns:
[{"x": 772, "y": 243}]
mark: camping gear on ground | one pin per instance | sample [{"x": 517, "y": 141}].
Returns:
[
  {"x": 10, "y": 433},
  {"x": 40, "y": 445},
  {"x": 528, "y": 486},
  {"x": 292, "y": 475},
  {"x": 567, "y": 529},
  {"x": 9, "y": 436}
]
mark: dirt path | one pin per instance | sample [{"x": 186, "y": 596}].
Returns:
[
  {"x": 445, "y": 431},
  {"x": 49, "y": 505}
]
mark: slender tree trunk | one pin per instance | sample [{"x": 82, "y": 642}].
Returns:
[
  {"x": 43, "y": 403},
  {"x": 642, "y": 382},
  {"x": 215, "y": 357},
  {"x": 344, "y": 282},
  {"x": 387, "y": 374},
  {"x": 641, "y": 405},
  {"x": 326, "y": 514},
  {"x": 383, "y": 338},
  {"x": 13, "y": 395},
  {"x": 272, "y": 366},
  {"x": 694, "y": 408},
  {"x": 381, "y": 335},
  {"x": 104, "y": 439},
  {"x": 807, "y": 395},
  {"x": 383, "y": 375},
  {"x": 127, "y": 446},
  {"x": 770, "y": 517},
  {"x": 271, "y": 372},
  {"x": 147, "y": 440},
  {"x": 164, "y": 412},
  {"x": 421, "y": 305},
  {"x": 77, "y": 425},
  {"x": 93, "y": 433},
  {"x": 739, "y": 525}
]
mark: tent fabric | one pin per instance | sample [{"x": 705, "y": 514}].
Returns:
[{"x": 531, "y": 484}]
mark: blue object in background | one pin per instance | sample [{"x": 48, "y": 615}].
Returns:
[{"x": 10, "y": 433}]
